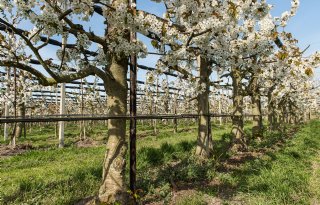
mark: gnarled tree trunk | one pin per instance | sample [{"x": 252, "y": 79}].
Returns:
[
  {"x": 256, "y": 108},
  {"x": 237, "y": 114},
  {"x": 204, "y": 142},
  {"x": 272, "y": 115},
  {"x": 113, "y": 188},
  {"x": 257, "y": 118}
]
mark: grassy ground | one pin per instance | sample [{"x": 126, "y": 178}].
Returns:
[{"x": 287, "y": 173}]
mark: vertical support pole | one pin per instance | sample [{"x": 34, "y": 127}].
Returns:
[
  {"x": 63, "y": 94},
  {"x": 155, "y": 107},
  {"x": 309, "y": 114},
  {"x": 56, "y": 111},
  {"x": 175, "y": 120},
  {"x": 166, "y": 103},
  {"x": 13, "y": 138},
  {"x": 220, "y": 98},
  {"x": 133, "y": 113},
  {"x": 6, "y": 110},
  {"x": 82, "y": 123},
  {"x": 6, "y": 125},
  {"x": 62, "y": 112},
  {"x": 149, "y": 100}
]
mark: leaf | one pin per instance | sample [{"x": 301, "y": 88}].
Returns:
[
  {"x": 308, "y": 72},
  {"x": 155, "y": 44},
  {"x": 282, "y": 55},
  {"x": 289, "y": 35}
]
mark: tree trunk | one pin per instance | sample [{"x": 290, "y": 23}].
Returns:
[
  {"x": 256, "y": 108},
  {"x": 273, "y": 118},
  {"x": 309, "y": 114},
  {"x": 6, "y": 125},
  {"x": 20, "y": 125},
  {"x": 257, "y": 118},
  {"x": 155, "y": 132},
  {"x": 204, "y": 143},
  {"x": 237, "y": 114},
  {"x": 113, "y": 188},
  {"x": 175, "y": 120}
]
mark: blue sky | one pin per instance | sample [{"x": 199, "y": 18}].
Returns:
[{"x": 305, "y": 26}]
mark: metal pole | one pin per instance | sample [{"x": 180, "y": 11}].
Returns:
[
  {"x": 133, "y": 112},
  {"x": 13, "y": 138},
  {"x": 62, "y": 94},
  {"x": 62, "y": 112},
  {"x": 56, "y": 111},
  {"x": 220, "y": 96}
]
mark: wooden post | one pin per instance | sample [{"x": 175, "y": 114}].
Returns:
[{"x": 133, "y": 113}]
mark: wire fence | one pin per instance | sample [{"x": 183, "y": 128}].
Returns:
[{"x": 80, "y": 117}]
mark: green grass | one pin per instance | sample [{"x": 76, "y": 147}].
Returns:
[
  {"x": 283, "y": 177},
  {"x": 51, "y": 177},
  {"x": 279, "y": 177},
  {"x": 48, "y": 175},
  {"x": 194, "y": 199}
]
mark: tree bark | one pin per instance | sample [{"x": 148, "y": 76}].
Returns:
[
  {"x": 272, "y": 116},
  {"x": 257, "y": 118},
  {"x": 237, "y": 114},
  {"x": 6, "y": 125},
  {"x": 20, "y": 125},
  {"x": 113, "y": 188},
  {"x": 256, "y": 108},
  {"x": 175, "y": 120},
  {"x": 204, "y": 143},
  {"x": 155, "y": 131}
]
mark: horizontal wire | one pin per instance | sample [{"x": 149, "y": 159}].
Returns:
[{"x": 79, "y": 117}]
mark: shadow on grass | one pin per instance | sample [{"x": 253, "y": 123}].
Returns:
[
  {"x": 222, "y": 177},
  {"x": 150, "y": 156},
  {"x": 79, "y": 184}
]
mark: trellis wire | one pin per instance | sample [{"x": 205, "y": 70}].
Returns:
[{"x": 79, "y": 117}]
